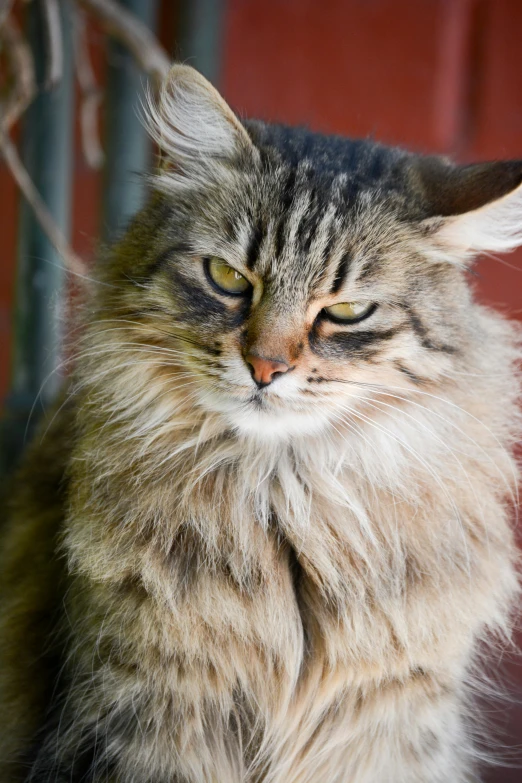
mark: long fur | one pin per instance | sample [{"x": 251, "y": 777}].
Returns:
[{"x": 291, "y": 586}]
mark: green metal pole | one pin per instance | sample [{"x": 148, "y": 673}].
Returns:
[
  {"x": 127, "y": 145},
  {"x": 200, "y": 36},
  {"x": 47, "y": 152},
  {"x": 126, "y": 142}
]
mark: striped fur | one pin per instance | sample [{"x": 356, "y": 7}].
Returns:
[{"x": 286, "y": 585}]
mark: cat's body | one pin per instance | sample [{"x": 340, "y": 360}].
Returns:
[{"x": 258, "y": 585}]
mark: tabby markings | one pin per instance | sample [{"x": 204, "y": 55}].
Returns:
[
  {"x": 362, "y": 345},
  {"x": 340, "y": 274}
]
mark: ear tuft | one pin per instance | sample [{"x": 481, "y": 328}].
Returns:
[
  {"x": 473, "y": 209},
  {"x": 190, "y": 120},
  {"x": 494, "y": 228}
]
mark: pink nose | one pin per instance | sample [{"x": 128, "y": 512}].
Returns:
[{"x": 265, "y": 370}]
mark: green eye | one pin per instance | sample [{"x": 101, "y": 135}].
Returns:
[
  {"x": 225, "y": 277},
  {"x": 350, "y": 312}
]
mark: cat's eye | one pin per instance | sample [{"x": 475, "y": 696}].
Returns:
[
  {"x": 225, "y": 278},
  {"x": 350, "y": 312}
]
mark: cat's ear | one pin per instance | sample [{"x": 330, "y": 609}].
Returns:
[
  {"x": 192, "y": 124},
  {"x": 473, "y": 209}
]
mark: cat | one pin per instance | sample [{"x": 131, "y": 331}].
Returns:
[{"x": 267, "y": 531}]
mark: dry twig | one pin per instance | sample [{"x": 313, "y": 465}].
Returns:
[
  {"x": 54, "y": 43},
  {"x": 133, "y": 34},
  {"x": 91, "y": 96},
  {"x": 71, "y": 260},
  {"x": 21, "y": 67},
  {"x": 118, "y": 22}
]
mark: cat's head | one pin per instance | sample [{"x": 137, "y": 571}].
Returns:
[{"x": 293, "y": 276}]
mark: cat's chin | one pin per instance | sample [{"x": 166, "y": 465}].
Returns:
[
  {"x": 277, "y": 425},
  {"x": 264, "y": 422}
]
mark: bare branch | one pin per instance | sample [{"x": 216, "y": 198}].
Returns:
[
  {"x": 10, "y": 154},
  {"x": 21, "y": 67},
  {"x": 54, "y": 43},
  {"x": 91, "y": 96},
  {"x": 117, "y": 22},
  {"x": 126, "y": 28}
]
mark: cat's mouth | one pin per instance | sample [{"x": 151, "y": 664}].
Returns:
[
  {"x": 264, "y": 401},
  {"x": 258, "y": 400},
  {"x": 264, "y": 415}
]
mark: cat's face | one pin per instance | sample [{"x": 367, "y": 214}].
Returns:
[
  {"x": 303, "y": 312},
  {"x": 302, "y": 282}
]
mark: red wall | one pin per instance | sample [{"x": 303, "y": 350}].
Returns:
[{"x": 432, "y": 75}]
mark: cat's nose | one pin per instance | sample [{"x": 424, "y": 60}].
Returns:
[{"x": 265, "y": 370}]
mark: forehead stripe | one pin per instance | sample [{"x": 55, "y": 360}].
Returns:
[
  {"x": 287, "y": 197},
  {"x": 340, "y": 275},
  {"x": 309, "y": 224},
  {"x": 254, "y": 245}
]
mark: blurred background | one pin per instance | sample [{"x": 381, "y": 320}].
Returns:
[{"x": 432, "y": 75}]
